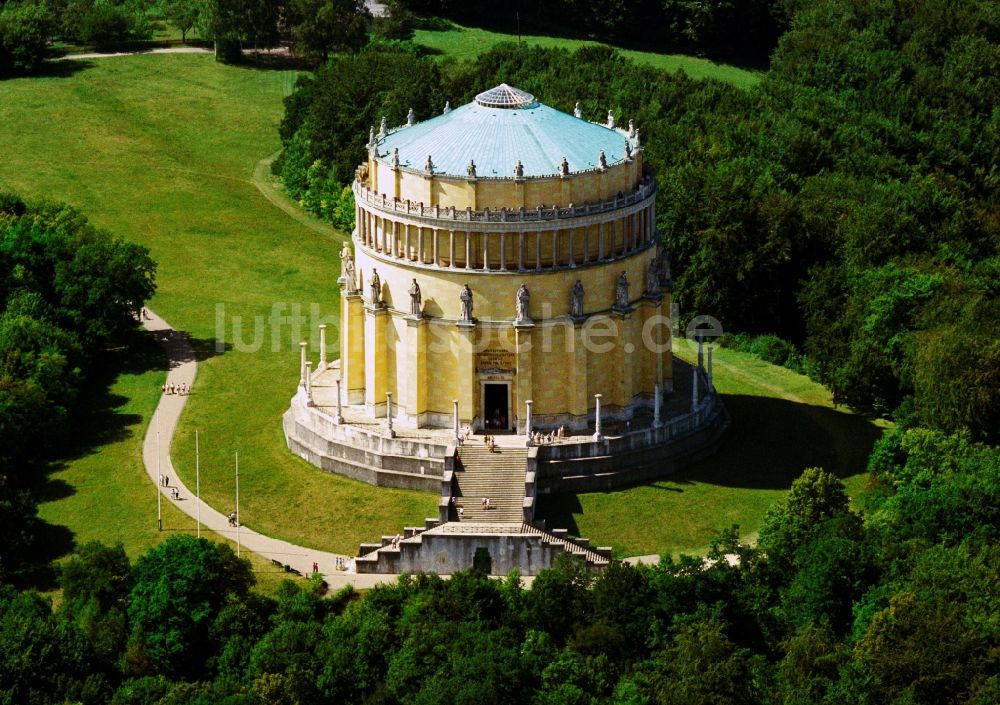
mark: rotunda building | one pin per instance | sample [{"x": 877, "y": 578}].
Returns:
[{"x": 506, "y": 257}]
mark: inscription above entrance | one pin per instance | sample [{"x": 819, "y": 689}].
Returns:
[{"x": 495, "y": 359}]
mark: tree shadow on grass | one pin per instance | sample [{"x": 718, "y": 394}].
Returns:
[
  {"x": 99, "y": 420},
  {"x": 770, "y": 443},
  {"x": 55, "y": 69}
]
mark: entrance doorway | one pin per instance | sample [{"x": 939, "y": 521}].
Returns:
[{"x": 496, "y": 407}]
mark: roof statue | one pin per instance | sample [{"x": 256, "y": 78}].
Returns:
[
  {"x": 383, "y": 128},
  {"x": 577, "y": 112},
  {"x": 628, "y": 149},
  {"x": 410, "y": 118},
  {"x": 447, "y": 107},
  {"x": 519, "y": 169},
  {"x": 631, "y": 128},
  {"x": 602, "y": 161},
  {"x": 429, "y": 165},
  {"x": 395, "y": 157},
  {"x": 564, "y": 167},
  {"x": 611, "y": 120},
  {"x": 470, "y": 170},
  {"x": 371, "y": 137}
]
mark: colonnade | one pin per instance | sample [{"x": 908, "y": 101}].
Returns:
[{"x": 508, "y": 246}]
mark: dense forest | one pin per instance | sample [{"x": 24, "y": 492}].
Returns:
[
  {"x": 841, "y": 217},
  {"x": 68, "y": 293}
]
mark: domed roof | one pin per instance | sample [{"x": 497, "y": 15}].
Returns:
[{"x": 502, "y": 126}]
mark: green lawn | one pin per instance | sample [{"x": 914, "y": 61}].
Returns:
[
  {"x": 468, "y": 42},
  {"x": 161, "y": 150},
  {"x": 782, "y": 423}
]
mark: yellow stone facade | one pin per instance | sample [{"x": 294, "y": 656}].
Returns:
[{"x": 447, "y": 232}]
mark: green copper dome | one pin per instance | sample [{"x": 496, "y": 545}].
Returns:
[{"x": 502, "y": 126}]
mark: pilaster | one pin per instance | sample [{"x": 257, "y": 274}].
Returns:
[
  {"x": 376, "y": 376},
  {"x": 523, "y": 351},
  {"x": 465, "y": 356},
  {"x": 352, "y": 347},
  {"x": 414, "y": 401},
  {"x": 577, "y": 381}
]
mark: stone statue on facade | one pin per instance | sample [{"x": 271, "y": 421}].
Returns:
[
  {"x": 471, "y": 169},
  {"x": 383, "y": 128},
  {"x": 621, "y": 293},
  {"x": 519, "y": 169},
  {"x": 602, "y": 161},
  {"x": 347, "y": 273},
  {"x": 564, "y": 167},
  {"x": 611, "y": 120},
  {"x": 371, "y": 137},
  {"x": 466, "y": 299},
  {"x": 416, "y": 299},
  {"x": 410, "y": 118},
  {"x": 576, "y": 300},
  {"x": 429, "y": 165},
  {"x": 577, "y": 110},
  {"x": 395, "y": 157},
  {"x": 521, "y": 304},
  {"x": 653, "y": 278},
  {"x": 376, "y": 288}
]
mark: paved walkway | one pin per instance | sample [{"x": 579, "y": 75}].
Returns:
[
  {"x": 162, "y": 50},
  {"x": 183, "y": 369}
]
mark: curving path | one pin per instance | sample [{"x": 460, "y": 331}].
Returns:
[{"x": 183, "y": 367}]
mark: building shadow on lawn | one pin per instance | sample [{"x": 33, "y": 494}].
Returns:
[{"x": 770, "y": 443}]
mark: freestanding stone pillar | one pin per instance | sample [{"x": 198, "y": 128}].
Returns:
[
  {"x": 457, "y": 433},
  {"x": 322, "y": 347},
  {"x": 527, "y": 422},
  {"x": 339, "y": 418},
  {"x": 388, "y": 414},
  {"x": 309, "y": 386},
  {"x": 711, "y": 385},
  {"x": 597, "y": 418},
  {"x": 701, "y": 353},
  {"x": 302, "y": 363},
  {"x": 694, "y": 389},
  {"x": 656, "y": 406}
]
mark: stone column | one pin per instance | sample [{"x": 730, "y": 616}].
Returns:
[
  {"x": 309, "y": 386},
  {"x": 586, "y": 244},
  {"x": 388, "y": 414},
  {"x": 352, "y": 347},
  {"x": 572, "y": 247},
  {"x": 420, "y": 245},
  {"x": 527, "y": 422},
  {"x": 303, "y": 348},
  {"x": 339, "y": 418},
  {"x": 600, "y": 241},
  {"x": 486, "y": 251},
  {"x": 656, "y": 406},
  {"x": 555, "y": 249},
  {"x": 523, "y": 351},
  {"x": 455, "y": 420},
  {"x": 597, "y": 418},
  {"x": 503, "y": 252},
  {"x": 451, "y": 249},
  {"x": 322, "y": 347},
  {"x": 538, "y": 249},
  {"x": 376, "y": 364},
  {"x": 711, "y": 386},
  {"x": 520, "y": 251},
  {"x": 435, "y": 234},
  {"x": 694, "y": 389},
  {"x": 406, "y": 241},
  {"x": 468, "y": 249},
  {"x": 465, "y": 370},
  {"x": 412, "y": 362}
]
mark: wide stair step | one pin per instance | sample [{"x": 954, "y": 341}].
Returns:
[{"x": 497, "y": 475}]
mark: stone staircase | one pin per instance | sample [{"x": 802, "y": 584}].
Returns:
[
  {"x": 498, "y": 475},
  {"x": 451, "y": 547}
]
